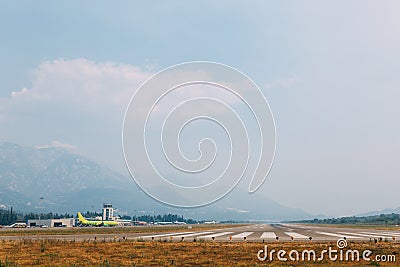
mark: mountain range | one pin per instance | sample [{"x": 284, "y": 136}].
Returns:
[
  {"x": 379, "y": 212},
  {"x": 54, "y": 179}
]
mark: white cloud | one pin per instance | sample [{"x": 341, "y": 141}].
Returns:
[
  {"x": 84, "y": 82},
  {"x": 94, "y": 87},
  {"x": 77, "y": 85},
  {"x": 23, "y": 91}
]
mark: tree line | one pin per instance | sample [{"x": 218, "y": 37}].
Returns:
[
  {"x": 382, "y": 219},
  {"x": 8, "y": 217}
]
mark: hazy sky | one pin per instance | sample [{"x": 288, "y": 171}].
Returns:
[{"x": 329, "y": 69}]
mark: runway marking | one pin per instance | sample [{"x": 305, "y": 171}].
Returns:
[
  {"x": 162, "y": 235},
  {"x": 363, "y": 235},
  {"x": 296, "y": 235},
  {"x": 192, "y": 234},
  {"x": 267, "y": 235},
  {"x": 216, "y": 235},
  {"x": 391, "y": 234},
  {"x": 338, "y": 235},
  {"x": 242, "y": 235}
]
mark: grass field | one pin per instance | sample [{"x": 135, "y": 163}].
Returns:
[{"x": 130, "y": 253}]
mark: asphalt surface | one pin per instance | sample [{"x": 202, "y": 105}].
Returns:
[
  {"x": 282, "y": 232},
  {"x": 256, "y": 233}
]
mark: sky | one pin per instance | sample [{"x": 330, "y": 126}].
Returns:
[{"x": 329, "y": 70}]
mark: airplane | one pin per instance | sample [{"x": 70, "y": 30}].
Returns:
[
  {"x": 180, "y": 223},
  {"x": 211, "y": 222},
  {"x": 139, "y": 223},
  {"x": 85, "y": 222},
  {"x": 163, "y": 223},
  {"x": 16, "y": 225}
]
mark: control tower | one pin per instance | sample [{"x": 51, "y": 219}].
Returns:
[{"x": 108, "y": 212}]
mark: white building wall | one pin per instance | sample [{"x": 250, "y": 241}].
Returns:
[
  {"x": 67, "y": 222},
  {"x": 108, "y": 212}
]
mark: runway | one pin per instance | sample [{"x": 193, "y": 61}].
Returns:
[
  {"x": 282, "y": 232},
  {"x": 253, "y": 233}
]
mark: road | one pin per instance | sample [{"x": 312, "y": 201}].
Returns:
[{"x": 255, "y": 232}]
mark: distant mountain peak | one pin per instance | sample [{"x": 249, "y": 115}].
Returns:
[
  {"x": 57, "y": 145},
  {"x": 53, "y": 172}
]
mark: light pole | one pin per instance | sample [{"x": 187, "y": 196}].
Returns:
[{"x": 40, "y": 206}]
